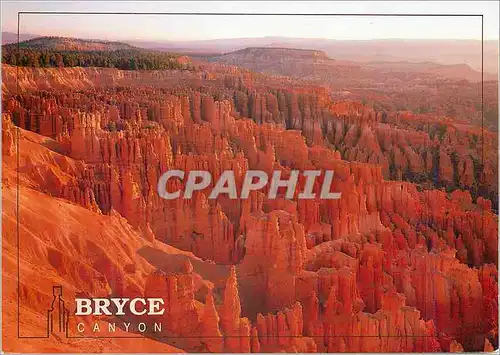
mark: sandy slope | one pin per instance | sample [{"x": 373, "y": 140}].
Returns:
[{"x": 64, "y": 244}]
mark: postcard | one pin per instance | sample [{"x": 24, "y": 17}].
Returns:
[{"x": 265, "y": 177}]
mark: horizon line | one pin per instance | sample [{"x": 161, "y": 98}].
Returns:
[{"x": 257, "y": 37}]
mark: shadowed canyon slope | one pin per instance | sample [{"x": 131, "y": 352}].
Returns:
[{"x": 405, "y": 261}]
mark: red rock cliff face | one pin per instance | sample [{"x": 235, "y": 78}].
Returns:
[{"x": 405, "y": 261}]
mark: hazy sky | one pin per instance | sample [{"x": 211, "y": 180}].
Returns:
[{"x": 196, "y": 27}]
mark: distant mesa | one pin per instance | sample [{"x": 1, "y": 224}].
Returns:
[
  {"x": 277, "y": 60},
  {"x": 267, "y": 53},
  {"x": 289, "y": 52}
]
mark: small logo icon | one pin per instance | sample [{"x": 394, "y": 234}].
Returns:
[{"x": 57, "y": 314}]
